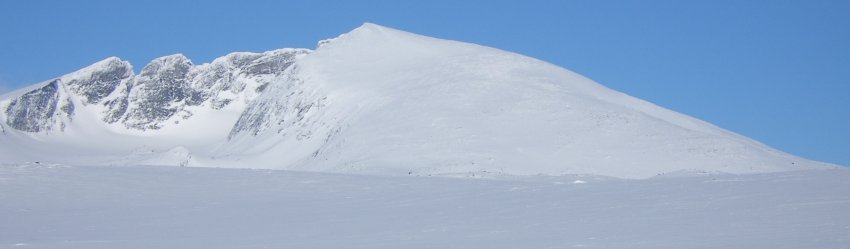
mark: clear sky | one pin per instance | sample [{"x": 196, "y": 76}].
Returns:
[{"x": 777, "y": 71}]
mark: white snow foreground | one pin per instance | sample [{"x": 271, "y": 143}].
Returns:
[
  {"x": 60, "y": 207},
  {"x": 373, "y": 101}
]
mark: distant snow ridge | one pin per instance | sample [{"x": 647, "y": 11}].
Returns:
[{"x": 375, "y": 100}]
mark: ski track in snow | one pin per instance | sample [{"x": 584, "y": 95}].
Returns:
[{"x": 55, "y": 206}]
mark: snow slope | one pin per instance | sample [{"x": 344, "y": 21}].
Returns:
[
  {"x": 383, "y": 101},
  {"x": 43, "y": 206}
]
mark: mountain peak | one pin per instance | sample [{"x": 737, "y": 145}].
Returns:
[
  {"x": 377, "y": 31},
  {"x": 104, "y": 64},
  {"x": 369, "y": 33},
  {"x": 174, "y": 58},
  {"x": 98, "y": 80},
  {"x": 383, "y": 101},
  {"x": 112, "y": 60},
  {"x": 368, "y": 27},
  {"x": 175, "y": 62}
]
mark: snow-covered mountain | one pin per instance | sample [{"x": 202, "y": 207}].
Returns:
[{"x": 374, "y": 100}]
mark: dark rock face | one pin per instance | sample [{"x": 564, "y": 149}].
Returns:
[
  {"x": 101, "y": 81},
  {"x": 117, "y": 107},
  {"x": 159, "y": 94},
  {"x": 282, "y": 108},
  {"x": 273, "y": 64},
  {"x": 158, "y": 89},
  {"x": 35, "y": 110},
  {"x": 222, "y": 78}
]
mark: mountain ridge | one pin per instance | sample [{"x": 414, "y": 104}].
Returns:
[{"x": 380, "y": 101}]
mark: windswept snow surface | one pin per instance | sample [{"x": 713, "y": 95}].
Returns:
[
  {"x": 372, "y": 101},
  {"x": 54, "y": 206}
]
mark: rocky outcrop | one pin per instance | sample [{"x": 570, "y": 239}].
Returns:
[
  {"x": 99, "y": 80},
  {"x": 283, "y": 107},
  {"x": 38, "y": 110},
  {"x": 160, "y": 95},
  {"x": 160, "y": 91}
]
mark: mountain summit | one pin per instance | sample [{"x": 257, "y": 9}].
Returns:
[{"x": 375, "y": 100}]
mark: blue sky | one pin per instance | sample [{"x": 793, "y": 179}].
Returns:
[{"x": 777, "y": 71}]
